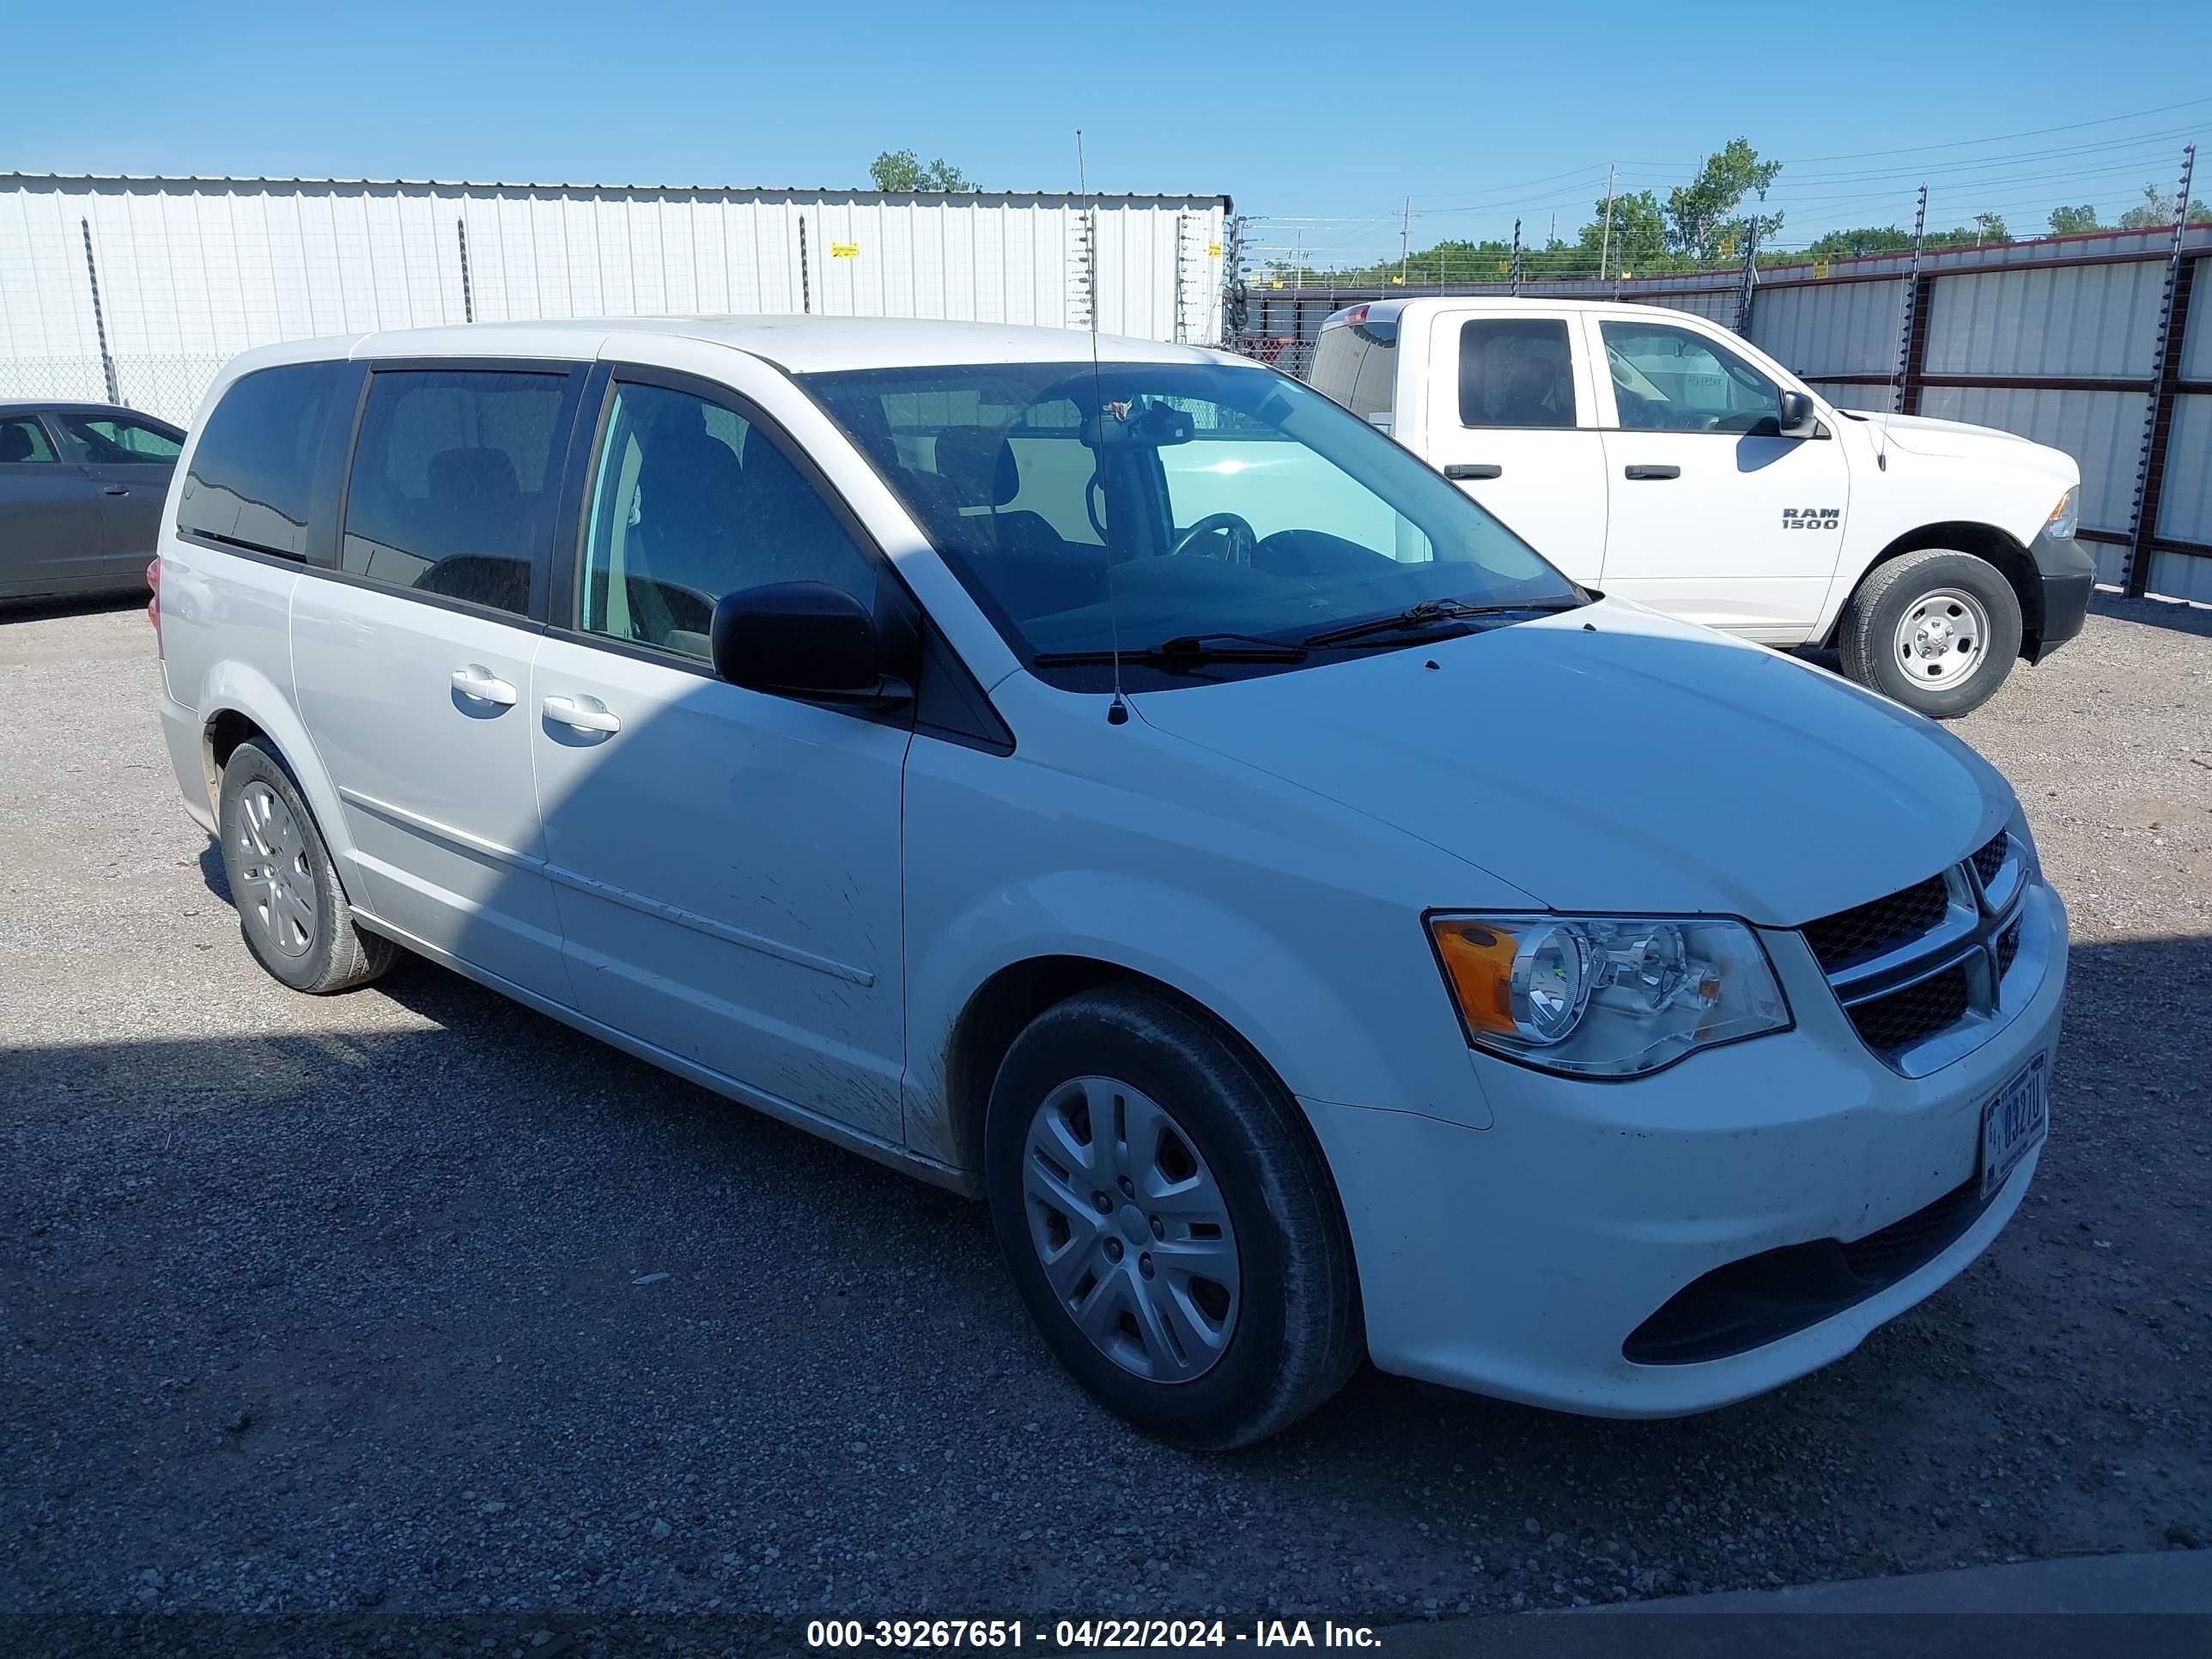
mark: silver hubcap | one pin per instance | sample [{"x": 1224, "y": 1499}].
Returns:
[
  {"x": 1132, "y": 1228},
  {"x": 1942, "y": 637},
  {"x": 276, "y": 889}
]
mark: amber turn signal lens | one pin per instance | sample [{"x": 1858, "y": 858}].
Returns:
[{"x": 1478, "y": 959}]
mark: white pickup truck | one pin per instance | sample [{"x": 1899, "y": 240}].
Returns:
[{"x": 1664, "y": 459}]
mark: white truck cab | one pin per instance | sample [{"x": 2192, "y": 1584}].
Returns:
[{"x": 1658, "y": 456}]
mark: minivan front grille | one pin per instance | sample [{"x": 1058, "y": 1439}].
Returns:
[
  {"x": 1931, "y": 958},
  {"x": 1919, "y": 1010},
  {"x": 1867, "y": 931}
]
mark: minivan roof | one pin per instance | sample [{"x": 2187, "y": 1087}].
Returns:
[{"x": 798, "y": 344}]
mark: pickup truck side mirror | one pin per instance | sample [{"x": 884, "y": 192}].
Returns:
[
  {"x": 804, "y": 640},
  {"x": 1798, "y": 418}
]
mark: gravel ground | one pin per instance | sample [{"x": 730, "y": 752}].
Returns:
[{"x": 412, "y": 1299}]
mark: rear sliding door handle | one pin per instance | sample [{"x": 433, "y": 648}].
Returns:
[
  {"x": 474, "y": 681},
  {"x": 1652, "y": 471},
  {"x": 1474, "y": 469},
  {"x": 114, "y": 489},
  {"x": 586, "y": 715}
]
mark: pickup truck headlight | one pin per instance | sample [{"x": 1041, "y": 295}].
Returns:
[
  {"x": 1606, "y": 996},
  {"x": 2065, "y": 517}
]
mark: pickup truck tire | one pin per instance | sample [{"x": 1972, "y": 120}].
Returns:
[
  {"x": 1936, "y": 630},
  {"x": 1170, "y": 1221},
  {"x": 290, "y": 907}
]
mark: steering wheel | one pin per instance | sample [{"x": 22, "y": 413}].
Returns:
[{"x": 1242, "y": 538}]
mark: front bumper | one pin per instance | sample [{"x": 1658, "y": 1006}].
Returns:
[
  {"x": 2068, "y": 573},
  {"x": 1518, "y": 1260}
]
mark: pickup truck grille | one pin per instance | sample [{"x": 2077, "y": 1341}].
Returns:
[{"x": 1917, "y": 970}]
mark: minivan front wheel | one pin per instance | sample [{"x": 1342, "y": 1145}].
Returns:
[
  {"x": 290, "y": 907},
  {"x": 1169, "y": 1220},
  {"x": 1936, "y": 630}
]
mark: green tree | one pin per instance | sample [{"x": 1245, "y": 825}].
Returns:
[
  {"x": 2074, "y": 221},
  {"x": 1701, "y": 214},
  {"x": 1638, "y": 242},
  {"x": 902, "y": 172},
  {"x": 1855, "y": 244},
  {"x": 2156, "y": 210}
]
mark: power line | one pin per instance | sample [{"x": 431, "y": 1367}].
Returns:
[{"x": 2003, "y": 137}]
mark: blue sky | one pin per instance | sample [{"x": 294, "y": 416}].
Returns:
[{"x": 1320, "y": 125}]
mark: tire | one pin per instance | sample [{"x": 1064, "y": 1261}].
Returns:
[
  {"x": 291, "y": 910},
  {"x": 1894, "y": 631},
  {"x": 1212, "y": 1371}
]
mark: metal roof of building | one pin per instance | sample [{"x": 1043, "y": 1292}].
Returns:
[{"x": 201, "y": 182}]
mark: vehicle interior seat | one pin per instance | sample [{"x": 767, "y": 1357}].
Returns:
[
  {"x": 1038, "y": 571},
  {"x": 483, "y": 529},
  {"x": 16, "y": 441}
]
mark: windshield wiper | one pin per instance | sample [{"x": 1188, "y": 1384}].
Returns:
[
  {"x": 1427, "y": 614},
  {"x": 1185, "y": 650}
]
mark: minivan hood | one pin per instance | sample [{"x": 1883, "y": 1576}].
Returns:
[{"x": 1612, "y": 759}]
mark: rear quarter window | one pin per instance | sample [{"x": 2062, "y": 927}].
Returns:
[
  {"x": 253, "y": 469},
  {"x": 1358, "y": 370}
]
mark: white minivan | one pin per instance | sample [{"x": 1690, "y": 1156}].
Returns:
[
  {"x": 1658, "y": 456},
  {"x": 1128, "y": 788}
]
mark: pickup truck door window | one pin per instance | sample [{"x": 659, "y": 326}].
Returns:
[
  {"x": 1510, "y": 416},
  {"x": 1714, "y": 515},
  {"x": 725, "y": 862}
]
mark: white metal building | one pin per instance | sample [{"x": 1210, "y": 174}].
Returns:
[{"x": 191, "y": 271}]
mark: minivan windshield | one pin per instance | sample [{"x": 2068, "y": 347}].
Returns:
[{"x": 1227, "y": 514}]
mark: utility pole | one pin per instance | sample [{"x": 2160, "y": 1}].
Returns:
[
  {"x": 1405, "y": 242},
  {"x": 1605, "y": 248}
]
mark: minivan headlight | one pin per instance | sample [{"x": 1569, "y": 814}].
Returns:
[
  {"x": 2065, "y": 517},
  {"x": 1606, "y": 996}
]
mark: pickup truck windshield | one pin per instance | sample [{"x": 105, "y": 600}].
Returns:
[{"x": 1162, "y": 503}]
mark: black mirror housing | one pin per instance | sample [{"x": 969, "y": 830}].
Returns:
[
  {"x": 1799, "y": 418},
  {"x": 804, "y": 640}
]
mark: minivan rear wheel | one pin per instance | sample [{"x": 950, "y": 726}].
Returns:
[
  {"x": 1936, "y": 630},
  {"x": 290, "y": 907},
  {"x": 1169, "y": 1220}
]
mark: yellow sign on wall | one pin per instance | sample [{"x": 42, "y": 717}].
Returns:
[
  {"x": 1820, "y": 270},
  {"x": 844, "y": 250}
]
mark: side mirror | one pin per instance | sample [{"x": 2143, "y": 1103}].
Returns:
[
  {"x": 1799, "y": 419},
  {"x": 803, "y": 639}
]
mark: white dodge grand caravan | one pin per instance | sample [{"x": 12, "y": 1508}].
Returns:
[
  {"x": 1131, "y": 789},
  {"x": 1659, "y": 456}
]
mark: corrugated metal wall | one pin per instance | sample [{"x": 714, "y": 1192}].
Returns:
[{"x": 193, "y": 270}]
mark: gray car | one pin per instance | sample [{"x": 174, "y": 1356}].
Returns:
[{"x": 81, "y": 493}]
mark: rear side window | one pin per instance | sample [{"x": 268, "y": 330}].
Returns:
[
  {"x": 1358, "y": 370},
  {"x": 1515, "y": 373},
  {"x": 23, "y": 439},
  {"x": 253, "y": 469},
  {"x": 453, "y": 480}
]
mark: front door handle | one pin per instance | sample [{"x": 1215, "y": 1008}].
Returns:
[
  {"x": 585, "y": 713},
  {"x": 476, "y": 681},
  {"x": 114, "y": 489},
  {"x": 1653, "y": 472},
  {"x": 1474, "y": 469}
]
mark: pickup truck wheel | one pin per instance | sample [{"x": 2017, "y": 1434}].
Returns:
[
  {"x": 290, "y": 907},
  {"x": 1168, "y": 1219},
  {"x": 1936, "y": 630}
]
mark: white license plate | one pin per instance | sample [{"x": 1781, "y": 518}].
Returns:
[{"x": 2015, "y": 1123}]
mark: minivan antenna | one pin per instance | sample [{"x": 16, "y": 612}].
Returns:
[{"x": 1117, "y": 712}]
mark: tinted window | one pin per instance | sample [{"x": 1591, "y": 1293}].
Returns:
[
  {"x": 1674, "y": 380},
  {"x": 1515, "y": 373},
  {"x": 454, "y": 478},
  {"x": 253, "y": 468},
  {"x": 1358, "y": 370},
  {"x": 24, "y": 439},
  {"x": 119, "y": 441},
  {"x": 692, "y": 503}
]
